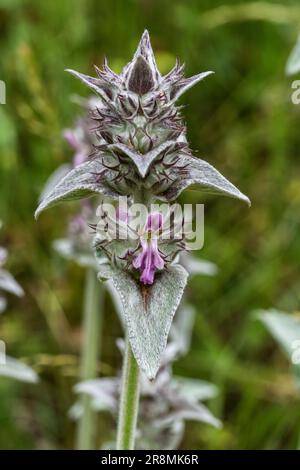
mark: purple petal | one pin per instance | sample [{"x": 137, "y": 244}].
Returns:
[
  {"x": 79, "y": 158},
  {"x": 154, "y": 222},
  {"x": 158, "y": 262},
  {"x": 72, "y": 139}
]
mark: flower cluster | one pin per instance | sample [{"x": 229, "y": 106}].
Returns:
[
  {"x": 148, "y": 248},
  {"x": 133, "y": 144},
  {"x": 139, "y": 139}
]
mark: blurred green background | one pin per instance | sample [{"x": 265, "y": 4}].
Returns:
[{"x": 241, "y": 120}]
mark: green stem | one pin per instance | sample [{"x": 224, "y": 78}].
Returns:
[
  {"x": 92, "y": 313},
  {"x": 129, "y": 402}
]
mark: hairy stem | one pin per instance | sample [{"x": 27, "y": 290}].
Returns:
[
  {"x": 129, "y": 402},
  {"x": 92, "y": 323}
]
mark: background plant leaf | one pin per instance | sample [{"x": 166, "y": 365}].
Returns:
[
  {"x": 293, "y": 63},
  {"x": 18, "y": 370},
  {"x": 9, "y": 284},
  {"x": 285, "y": 329}
]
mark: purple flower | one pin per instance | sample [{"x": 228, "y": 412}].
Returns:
[
  {"x": 149, "y": 259},
  {"x": 154, "y": 222},
  {"x": 75, "y": 140}
]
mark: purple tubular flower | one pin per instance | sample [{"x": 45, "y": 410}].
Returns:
[
  {"x": 154, "y": 222},
  {"x": 149, "y": 259},
  {"x": 74, "y": 142}
]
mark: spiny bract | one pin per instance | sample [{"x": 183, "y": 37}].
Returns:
[{"x": 140, "y": 140}]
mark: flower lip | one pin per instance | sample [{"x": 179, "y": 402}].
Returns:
[
  {"x": 154, "y": 222},
  {"x": 149, "y": 259}
]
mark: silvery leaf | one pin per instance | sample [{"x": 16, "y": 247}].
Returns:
[
  {"x": 76, "y": 410},
  {"x": 182, "y": 328},
  {"x": 116, "y": 301},
  {"x": 206, "y": 179},
  {"x": 283, "y": 327},
  {"x": 169, "y": 355},
  {"x": 156, "y": 437},
  {"x": 104, "y": 392},
  {"x": 190, "y": 412},
  {"x": 67, "y": 250},
  {"x": 9, "y": 284},
  {"x": 17, "y": 370},
  {"x": 180, "y": 87},
  {"x": 148, "y": 312},
  {"x": 106, "y": 272},
  {"x": 195, "y": 390},
  {"x": 195, "y": 266},
  {"x": 293, "y": 63},
  {"x": 96, "y": 84},
  {"x": 286, "y": 331},
  {"x": 78, "y": 183},
  {"x": 56, "y": 176},
  {"x": 142, "y": 161}
]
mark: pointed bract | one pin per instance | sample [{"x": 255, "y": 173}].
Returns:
[
  {"x": 140, "y": 80},
  {"x": 86, "y": 180},
  {"x": 145, "y": 51},
  {"x": 181, "y": 86},
  {"x": 98, "y": 86},
  {"x": 143, "y": 162},
  {"x": 204, "y": 177}
]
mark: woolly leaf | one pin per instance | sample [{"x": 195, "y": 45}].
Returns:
[
  {"x": 69, "y": 251},
  {"x": 192, "y": 412},
  {"x": 9, "y": 284},
  {"x": 182, "y": 86},
  {"x": 55, "y": 178},
  {"x": 206, "y": 179},
  {"x": 293, "y": 63},
  {"x": 285, "y": 329},
  {"x": 17, "y": 370},
  {"x": 148, "y": 312},
  {"x": 194, "y": 389},
  {"x": 82, "y": 181}
]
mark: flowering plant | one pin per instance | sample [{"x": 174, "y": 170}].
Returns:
[
  {"x": 10, "y": 367},
  {"x": 140, "y": 152},
  {"x": 7, "y": 281}
]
